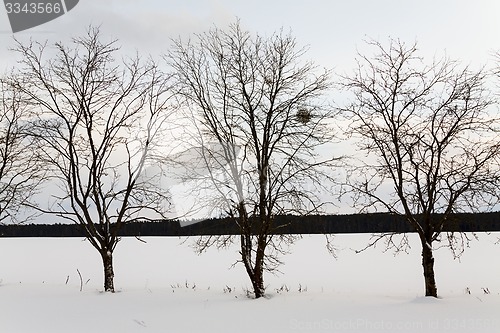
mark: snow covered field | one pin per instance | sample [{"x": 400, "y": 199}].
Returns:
[{"x": 163, "y": 286}]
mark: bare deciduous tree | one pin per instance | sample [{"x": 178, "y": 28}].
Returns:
[
  {"x": 20, "y": 174},
  {"x": 258, "y": 117},
  {"x": 97, "y": 120},
  {"x": 430, "y": 142}
]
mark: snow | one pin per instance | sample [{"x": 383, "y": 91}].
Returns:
[{"x": 163, "y": 286}]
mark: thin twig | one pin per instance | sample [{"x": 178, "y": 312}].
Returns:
[{"x": 81, "y": 280}]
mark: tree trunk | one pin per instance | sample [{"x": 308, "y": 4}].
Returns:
[
  {"x": 107, "y": 260},
  {"x": 428, "y": 265},
  {"x": 255, "y": 272},
  {"x": 257, "y": 279}
]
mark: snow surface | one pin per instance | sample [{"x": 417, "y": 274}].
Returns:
[{"x": 163, "y": 286}]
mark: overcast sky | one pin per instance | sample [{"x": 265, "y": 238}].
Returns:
[
  {"x": 465, "y": 29},
  {"x": 462, "y": 29}
]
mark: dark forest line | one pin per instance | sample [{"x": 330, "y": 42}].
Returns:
[{"x": 312, "y": 224}]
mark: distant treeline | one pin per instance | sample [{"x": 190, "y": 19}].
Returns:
[{"x": 312, "y": 224}]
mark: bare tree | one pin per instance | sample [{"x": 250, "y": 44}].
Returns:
[
  {"x": 431, "y": 146},
  {"x": 258, "y": 117},
  {"x": 97, "y": 119},
  {"x": 20, "y": 174}
]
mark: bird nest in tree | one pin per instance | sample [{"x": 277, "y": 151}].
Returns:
[{"x": 304, "y": 115}]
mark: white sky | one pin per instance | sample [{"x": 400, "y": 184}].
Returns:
[
  {"x": 466, "y": 29},
  {"x": 334, "y": 30}
]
